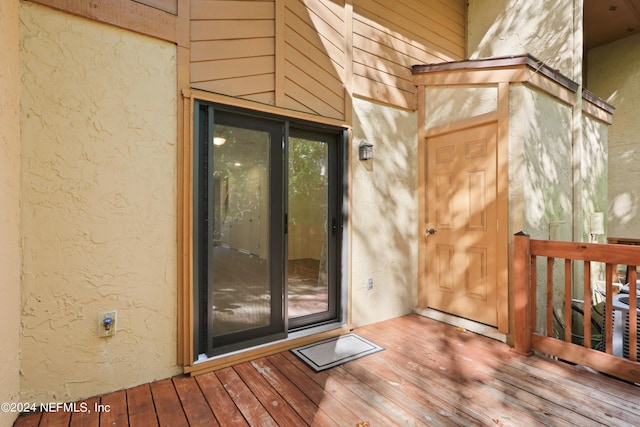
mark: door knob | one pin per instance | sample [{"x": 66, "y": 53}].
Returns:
[{"x": 431, "y": 231}]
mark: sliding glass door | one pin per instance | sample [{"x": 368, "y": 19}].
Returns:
[
  {"x": 313, "y": 210},
  {"x": 267, "y": 227}
]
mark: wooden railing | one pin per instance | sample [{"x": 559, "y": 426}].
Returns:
[{"x": 529, "y": 291}]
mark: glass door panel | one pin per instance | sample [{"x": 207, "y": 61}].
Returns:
[
  {"x": 314, "y": 195},
  {"x": 308, "y": 285},
  {"x": 238, "y": 231},
  {"x": 239, "y": 280},
  {"x": 267, "y": 228}
]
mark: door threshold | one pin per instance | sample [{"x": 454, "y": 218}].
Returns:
[
  {"x": 294, "y": 339},
  {"x": 469, "y": 325}
]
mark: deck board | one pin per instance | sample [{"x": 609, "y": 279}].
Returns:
[
  {"x": 142, "y": 412},
  {"x": 245, "y": 400},
  {"x": 429, "y": 374},
  {"x": 193, "y": 402},
  {"x": 116, "y": 412},
  {"x": 90, "y": 418},
  {"x": 337, "y": 410},
  {"x": 277, "y": 407},
  {"x": 167, "y": 403},
  {"x": 303, "y": 405},
  {"x": 223, "y": 407},
  {"x": 55, "y": 419}
]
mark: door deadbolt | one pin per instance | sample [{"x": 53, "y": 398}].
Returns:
[{"x": 431, "y": 231}]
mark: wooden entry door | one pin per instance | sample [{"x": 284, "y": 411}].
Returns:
[{"x": 461, "y": 223}]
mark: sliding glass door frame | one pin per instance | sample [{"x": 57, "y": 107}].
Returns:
[
  {"x": 335, "y": 142},
  {"x": 206, "y": 117}
]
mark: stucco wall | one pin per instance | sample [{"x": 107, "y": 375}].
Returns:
[
  {"x": 541, "y": 174},
  {"x": 540, "y": 166},
  {"x": 453, "y": 103},
  {"x": 10, "y": 254},
  {"x": 98, "y": 111},
  {"x": 384, "y": 213},
  {"x": 613, "y": 73},
  {"x": 543, "y": 28},
  {"x": 594, "y": 170}
]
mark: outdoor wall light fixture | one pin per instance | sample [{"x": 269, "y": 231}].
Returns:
[
  {"x": 219, "y": 141},
  {"x": 365, "y": 151}
]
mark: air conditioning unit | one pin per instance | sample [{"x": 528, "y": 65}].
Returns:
[{"x": 622, "y": 306}]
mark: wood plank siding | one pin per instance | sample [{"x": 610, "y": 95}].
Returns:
[
  {"x": 390, "y": 37},
  {"x": 233, "y": 48},
  {"x": 315, "y": 57},
  {"x": 308, "y": 55},
  {"x": 430, "y": 374},
  {"x": 155, "y": 18}
]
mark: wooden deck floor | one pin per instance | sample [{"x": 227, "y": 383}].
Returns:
[{"x": 430, "y": 374}]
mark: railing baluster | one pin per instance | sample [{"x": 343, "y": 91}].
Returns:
[
  {"x": 633, "y": 314},
  {"x": 550, "y": 296},
  {"x": 608, "y": 310},
  {"x": 534, "y": 294},
  {"x": 568, "y": 301},
  {"x": 587, "y": 304},
  {"x": 601, "y": 359}
]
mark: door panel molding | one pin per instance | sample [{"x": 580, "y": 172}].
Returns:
[{"x": 461, "y": 199}]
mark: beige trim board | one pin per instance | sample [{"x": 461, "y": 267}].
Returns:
[
  {"x": 460, "y": 322},
  {"x": 523, "y": 69},
  {"x": 125, "y": 14},
  {"x": 264, "y": 108},
  {"x": 596, "y": 112}
]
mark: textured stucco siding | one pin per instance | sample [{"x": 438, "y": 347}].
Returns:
[
  {"x": 98, "y": 112},
  {"x": 10, "y": 254},
  {"x": 544, "y": 29},
  {"x": 541, "y": 174},
  {"x": 614, "y": 74},
  {"x": 540, "y": 147},
  {"x": 444, "y": 105},
  {"x": 384, "y": 213},
  {"x": 593, "y": 172}
]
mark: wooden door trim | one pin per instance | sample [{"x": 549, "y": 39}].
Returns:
[
  {"x": 503, "y": 233},
  {"x": 500, "y": 117}
]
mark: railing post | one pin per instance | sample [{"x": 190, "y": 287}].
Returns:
[{"x": 522, "y": 293}]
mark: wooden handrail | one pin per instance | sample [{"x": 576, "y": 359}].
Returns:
[{"x": 525, "y": 336}]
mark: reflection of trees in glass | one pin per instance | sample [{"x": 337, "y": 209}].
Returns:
[{"x": 307, "y": 181}]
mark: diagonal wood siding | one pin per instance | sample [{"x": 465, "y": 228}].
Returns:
[
  {"x": 233, "y": 48},
  {"x": 390, "y": 37},
  {"x": 315, "y": 57},
  {"x": 307, "y": 55}
]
